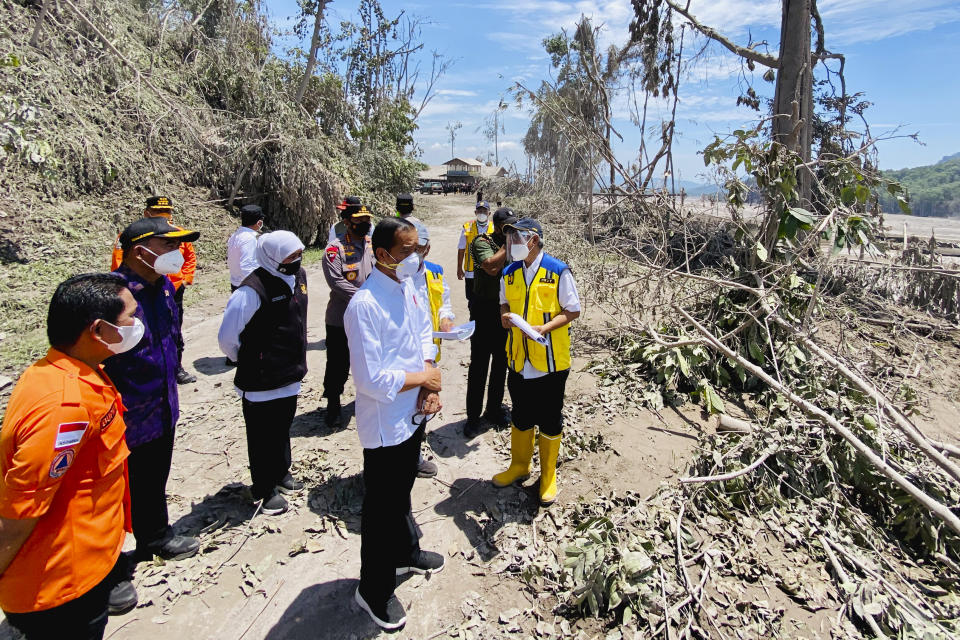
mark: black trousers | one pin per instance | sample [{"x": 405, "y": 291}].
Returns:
[
  {"x": 178, "y": 298},
  {"x": 538, "y": 402},
  {"x": 149, "y": 468},
  {"x": 268, "y": 442},
  {"x": 338, "y": 362},
  {"x": 388, "y": 532},
  {"x": 487, "y": 352},
  {"x": 83, "y": 618}
]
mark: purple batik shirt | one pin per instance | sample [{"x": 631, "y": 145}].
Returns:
[{"x": 147, "y": 374}]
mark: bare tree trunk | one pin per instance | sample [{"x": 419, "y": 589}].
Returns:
[
  {"x": 44, "y": 8},
  {"x": 312, "y": 57},
  {"x": 793, "y": 99}
]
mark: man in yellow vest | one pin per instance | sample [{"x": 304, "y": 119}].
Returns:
[
  {"x": 470, "y": 230},
  {"x": 540, "y": 289}
]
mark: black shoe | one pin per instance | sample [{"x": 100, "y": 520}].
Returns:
[
  {"x": 332, "y": 418},
  {"x": 497, "y": 418},
  {"x": 426, "y": 562},
  {"x": 184, "y": 377},
  {"x": 426, "y": 469},
  {"x": 177, "y": 548},
  {"x": 123, "y": 598},
  {"x": 230, "y": 363},
  {"x": 274, "y": 505},
  {"x": 473, "y": 428},
  {"x": 390, "y": 617},
  {"x": 289, "y": 485}
]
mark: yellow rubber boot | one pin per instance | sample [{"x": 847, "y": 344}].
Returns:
[
  {"x": 521, "y": 455},
  {"x": 549, "y": 450}
]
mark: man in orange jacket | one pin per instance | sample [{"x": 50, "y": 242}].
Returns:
[
  {"x": 63, "y": 475},
  {"x": 161, "y": 207}
]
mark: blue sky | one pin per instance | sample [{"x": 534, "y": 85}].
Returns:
[{"x": 901, "y": 53}]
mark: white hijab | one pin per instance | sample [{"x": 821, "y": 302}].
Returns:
[{"x": 275, "y": 247}]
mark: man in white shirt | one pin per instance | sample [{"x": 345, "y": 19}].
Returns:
[
  {"x": 264, "y": 330},
  {"x": 392, "y": 359},
  {"x": 242, "y": 245},
  {"x": 540, "y": 289}
]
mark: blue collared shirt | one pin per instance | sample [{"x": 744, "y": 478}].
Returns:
[{"x": 146, "y": 376}]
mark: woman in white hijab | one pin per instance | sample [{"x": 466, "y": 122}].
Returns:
[{"x": 264, "y": 330}]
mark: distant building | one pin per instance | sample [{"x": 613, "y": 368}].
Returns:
[{"x": 459, "y": 173}]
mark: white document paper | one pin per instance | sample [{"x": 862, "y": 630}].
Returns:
[
  {"x": 524, "y": 326},
  {"x": 461, "y": 332}
]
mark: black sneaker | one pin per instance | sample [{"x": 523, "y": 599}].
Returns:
[
  {"x": 473, "y": 428},
  {"x": 289, "y": 484},
  {"x": 177, "y": 548},
  {"x": 230, "y": 363},
  {"x": 274, "y": 505},
  {"x": 497, "y": 418},
  {"x": 123, "y": 598},
  {"x": 332, "y": 417},
  {"x": 185, "y": 377},
  {"x": 390, "y": 617},
  {"x": 426, "y": 469},
  {"x": 426, "y": 562}
]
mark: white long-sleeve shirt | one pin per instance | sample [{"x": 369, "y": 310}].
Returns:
[
  {"x": 389, "y": 333},
  {"x": 241, "y": 306},
  {"x": 242, "y": 254},
  {"x": 567, "y": 296}
]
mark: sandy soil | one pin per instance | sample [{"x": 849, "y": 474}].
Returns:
[{"x": 294, "y": 575}]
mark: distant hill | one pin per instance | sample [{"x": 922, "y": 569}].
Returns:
[{"x": 933, "y": 190}]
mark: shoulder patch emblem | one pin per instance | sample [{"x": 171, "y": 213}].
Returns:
[
  {"x": 351, "y": 275},
  {"x": 61, "y": 463},
  {"x": 303, "y": 288},
  {"x": 108, "y": 416},
  {"x": 69, "y": 434},
  {"x": 331, "y": 253}
]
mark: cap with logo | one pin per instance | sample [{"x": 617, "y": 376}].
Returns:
[
  {"x": 504, "y": 216},
  {"x": 483, "y": 204},
  {"x": 349, "y": 205},
  {"x": 147, "y": 228},
  {"x": 159, "y": 203},
  {"x": 362, "y": 212},
  {"x": 404, "y": 198},
  {"x": 525, "y": 224}
]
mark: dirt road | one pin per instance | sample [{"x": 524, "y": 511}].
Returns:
[{"x": 293, "y": 576}]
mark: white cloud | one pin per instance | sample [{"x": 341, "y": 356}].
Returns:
[{"x": 456, "y": 92}]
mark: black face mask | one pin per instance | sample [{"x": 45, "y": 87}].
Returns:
[
  {"x": 289, "y": 268},
  {"x": 360, "y": 229}
]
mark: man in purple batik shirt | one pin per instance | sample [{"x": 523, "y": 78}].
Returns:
[{"x": 146, "y": 377}]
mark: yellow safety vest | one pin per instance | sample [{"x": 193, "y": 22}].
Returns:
[
  {"x": 537, "y": 304},
  {"x": 471, "y": 232},
  {"x": 434, "y": 273}
]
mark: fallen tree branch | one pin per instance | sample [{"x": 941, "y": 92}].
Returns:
[
  {"x": 937, "y": 509},
  {"x": 769, "y": 451},
  {"x": 903, "y": 423},
  {"x": 948, "y": 449}
]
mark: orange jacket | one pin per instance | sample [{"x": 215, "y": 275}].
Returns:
[
  {"x": 62, "y": 461},
  {"x": 186, "y": 274}
]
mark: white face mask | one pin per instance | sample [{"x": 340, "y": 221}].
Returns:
[
  {"x": 406, "y": 268},
  {"x": 519, "y": 251},
  {"x": 482, "y": 218},
  {"x": 170, "y": 262},
  {"x": 130, "y": 336}
]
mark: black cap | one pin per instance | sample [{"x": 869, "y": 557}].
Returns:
[
  {"x": 349, "y": 206},
  {"x": 526, "y": 224},
  {"x": 250, "y": 214},
  {"x": 404, "y": 198},
  {"x": 159, "y": 203},
  {"x": 146, "y": 228},
  {"x": 504, "y": 215}
]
